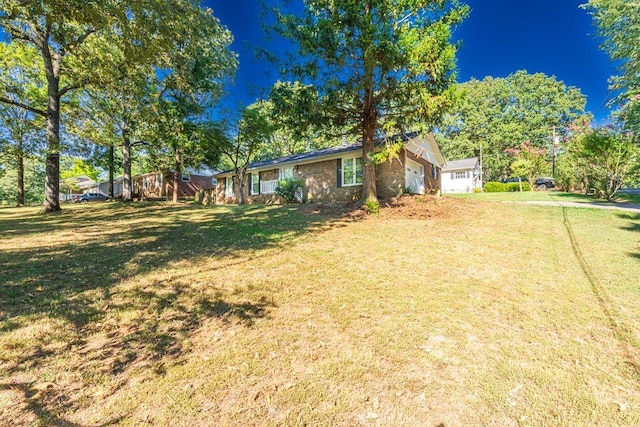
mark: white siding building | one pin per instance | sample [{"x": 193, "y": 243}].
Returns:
[{"x": 461, "y": 176}]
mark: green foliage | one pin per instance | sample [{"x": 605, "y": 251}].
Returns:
[
  {"x": 127, "y": 54},
  {"x": 530, "y": 162},
  {"x": 512, "y": 187},
  {"x": 494, "y": 187},
  {"x": 497, "y": 114},
  {"x": 33, "y": 182},
  {"x": 372, "y": 206},
  {"x": 618, "y": 25},
  {"x": 290, "y": 189},
  {"x": 71, "y": 167},
  {"x": 601, "y": 160},
  {"x": 382, "y": 66},
  {"x": 390, "y": 150}
]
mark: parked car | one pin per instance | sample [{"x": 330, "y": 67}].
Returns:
[
  {"x": 90, "y": 197},
  {"x": 544, "y": 183},
  {"x": 512, "y": 179}
]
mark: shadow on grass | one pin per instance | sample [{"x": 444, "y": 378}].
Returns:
[
  {"x": 66, "y": 271},
  {"x": 633, "y": 226},
  {"x": 33, "y": 395},
  {"x": 627, "y": 340},
  {"x": 52, "y": 275}
]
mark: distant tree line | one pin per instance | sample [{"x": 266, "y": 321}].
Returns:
[{"x": 118, "y": 84}]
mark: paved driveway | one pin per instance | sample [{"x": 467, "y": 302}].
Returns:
[{"x": 629, "y": 207}]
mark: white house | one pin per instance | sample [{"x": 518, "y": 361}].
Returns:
[{"x": 461, "y": 176}]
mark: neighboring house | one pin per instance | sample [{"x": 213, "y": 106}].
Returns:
[
  {"x": 159, "y": 185},
  {"x": 71, "y": 187},
  {"x": 461, "y": 176},
  {"x": 103, "y": 187},
  {"x": 334, "y": 174}
]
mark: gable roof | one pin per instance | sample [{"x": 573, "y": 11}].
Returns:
[
  {"x": 83, "y": 182},
  {"x": 305, "y": 156},
  {"x": 309, "y": 156},
  {"x": 461, "y": 164}
]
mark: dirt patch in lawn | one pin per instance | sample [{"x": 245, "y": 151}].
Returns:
[
  {"x": 422, "y": 207},
  {"x": 403, "y": 207}
]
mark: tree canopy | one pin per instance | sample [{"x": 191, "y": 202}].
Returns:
[
  {"x": 122, "y": 51},
  {"x": 497, "y": 114},
  {"x": 379, "y": 66}
]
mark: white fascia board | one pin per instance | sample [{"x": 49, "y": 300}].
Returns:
[{"x": 427, "y": 148}]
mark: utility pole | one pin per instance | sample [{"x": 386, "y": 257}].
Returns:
[
  {"x": 556, "y": 139},
  {"x": 481, "y": 172}
]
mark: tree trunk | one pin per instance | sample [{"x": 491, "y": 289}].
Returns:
[
  {"x": 20, "y": 161},
  {"x": 52, "y": 178},
  {"x": 111, "y": 167},
  {"x": 127, "y": 193},
  {"x": 240, "y": 177},
  {"x": 176, "y": 176},
  {"x": 369, "y": 122}
]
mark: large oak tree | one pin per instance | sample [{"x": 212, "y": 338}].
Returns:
[
  {"x": 60, "y": 31},
  {"x": 497, "y": 114}
]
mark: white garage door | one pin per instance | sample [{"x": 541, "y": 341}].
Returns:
[{"x": 414, "y": 177}]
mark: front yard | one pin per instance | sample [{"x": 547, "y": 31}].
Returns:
[{"x": 444, "y": 312}]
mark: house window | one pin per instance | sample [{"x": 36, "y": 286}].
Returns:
[
  {"x": 352, "y": 171},
  {"x": 434, "y": 172},
  {"x": 255, "y": 183},
  {"x": 458, "y": 175},
  {"x": 185, "y": 177},
  {"x": 228, "y": 187},
  {"x": 285, "y": 173}
]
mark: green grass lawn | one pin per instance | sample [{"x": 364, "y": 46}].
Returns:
[
  {"x": 477, "y": 314},
  {"x": 545, "y": 196}
]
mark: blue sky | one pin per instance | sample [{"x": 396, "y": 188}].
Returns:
[{"x": 554, "y": 37}]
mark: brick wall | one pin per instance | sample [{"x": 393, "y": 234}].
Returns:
[
  {"x": 321, "y": 182},
  {"x": 269, "y": 175},
  {"x": 390, "y": 177}
]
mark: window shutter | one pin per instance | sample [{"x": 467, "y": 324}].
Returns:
[
  {"x": 453, "y": 175},
  {"x": 250, "y": 184},
  {"x": 339, "y": 174},
  {"x": 259, "y": 183}
]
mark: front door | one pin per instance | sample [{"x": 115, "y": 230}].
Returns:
[{"x": 414, "y": 177}]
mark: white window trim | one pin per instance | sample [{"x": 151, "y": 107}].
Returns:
[
  {"x": 353, "y": 159},
  {"x": 459, "y": 175},
  {"x": 255, "y": 180},
  {"x": 228, "y": 189},
  {"x": 282, "y": 173}
]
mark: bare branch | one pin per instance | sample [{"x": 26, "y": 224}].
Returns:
[
  {"x": 77, "y": 42},
  {"x": 25, "y": 106},
  {"x": 68, "y": 88}
]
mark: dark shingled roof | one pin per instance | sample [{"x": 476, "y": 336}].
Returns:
[
  {"x": 319, "y": 153},
  {"x": 460, "y": 164}
]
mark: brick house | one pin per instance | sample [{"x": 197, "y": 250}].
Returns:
[
  {"x": 159, "y": 185},
  {"x": 335, "y": 174}
]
